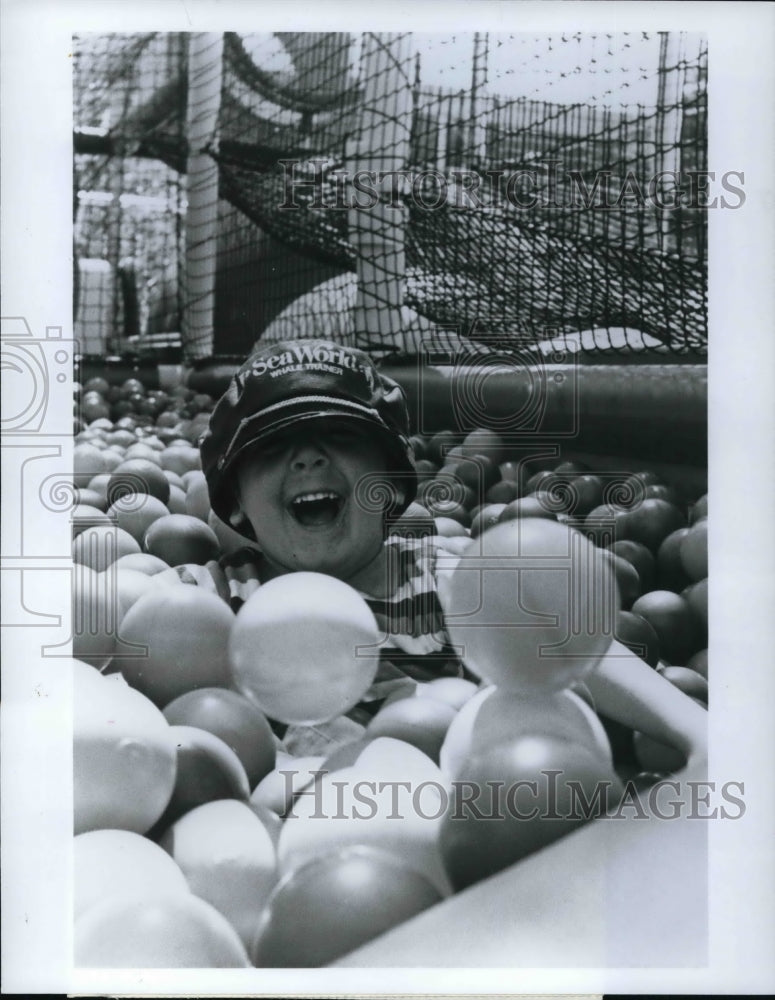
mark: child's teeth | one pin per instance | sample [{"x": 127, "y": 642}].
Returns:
[{"x": 307, "y": 497}]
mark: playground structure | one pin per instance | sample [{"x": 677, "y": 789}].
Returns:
[{"x": 550, "y": 191}]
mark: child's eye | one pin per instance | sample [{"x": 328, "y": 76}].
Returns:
[{"x": 267, "y": 451}]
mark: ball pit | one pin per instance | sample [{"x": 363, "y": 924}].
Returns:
[{"x": 198, "y": 769}]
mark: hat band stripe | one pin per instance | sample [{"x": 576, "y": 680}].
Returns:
[
  {"x": 318, "y": 399},
  {"x": 370, "y": 411}
]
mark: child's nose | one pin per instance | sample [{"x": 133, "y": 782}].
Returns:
[{"x": 308, "y": 455}]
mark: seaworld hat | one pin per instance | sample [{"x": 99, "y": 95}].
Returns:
[{"x": 281, "y": 384}]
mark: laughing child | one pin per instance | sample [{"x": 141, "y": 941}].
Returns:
[{"x": 308, "y": 454}]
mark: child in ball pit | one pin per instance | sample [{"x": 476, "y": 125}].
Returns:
[{"x": 308, "y": 453}]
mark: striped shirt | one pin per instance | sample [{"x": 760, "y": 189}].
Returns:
[{"x": 413, "y": 639}]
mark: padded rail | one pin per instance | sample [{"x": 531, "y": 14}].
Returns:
[{"x": 652, "y": 412}]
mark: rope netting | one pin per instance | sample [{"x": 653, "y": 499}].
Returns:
[
  {"x": 129, "y": 202},
  {"x": 397, "y": 191}
]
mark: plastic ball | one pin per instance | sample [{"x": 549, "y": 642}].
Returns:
[
  {"x": 171, "y": 931},
  {"x": 454, "y": 691},
  {"x": 234, "y": 719},
  {"x": 124, "y": 758},
  {"x": 694, "y": 551},
  {"x": 524, "y": 803},
  {"x": 138, "y": 474},
  {"x": 673, "y": 620},
  {"x": 207, "y": 770},
  {"x": 135, "y": 513},
  {"x": 99, "y": 546},
  {"x": 335, "y": 903},
  {"x": 228, "y": 859},
  {"x": 532, "y": 605},
  {"x": 530, "y": 506},
  {"x": 118, "y": 863},
  {"x": 277, "y": 789},
  {"x": 392, "y": 797},
  {"x": 494, "y": 716},
  {"x": 422, "y": 722},
  {"x": 175, "y": 639},
  {"x": 304, "y": 648},
  {"x": 627, "y": 579},
  {"x": 181, "y": 538},
  {"x": 641, "y": 558}
]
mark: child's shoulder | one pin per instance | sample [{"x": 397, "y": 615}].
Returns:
[{"x": 432, "y": 555}]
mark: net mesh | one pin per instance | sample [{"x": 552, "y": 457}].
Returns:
[
  {"x": 393, "y": 191},
  {"x": 129, "y": 203}
]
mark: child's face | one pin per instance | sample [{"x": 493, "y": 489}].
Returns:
[{"x": 299, "y": 493}]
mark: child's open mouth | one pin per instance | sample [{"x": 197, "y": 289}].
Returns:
[{"x": 316, "y": 510}]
